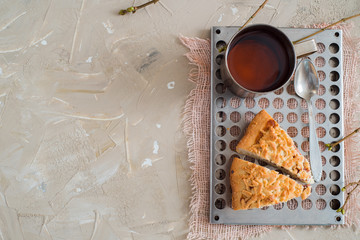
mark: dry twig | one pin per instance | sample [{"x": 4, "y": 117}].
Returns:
[
  {"x": 252, "y": 16},
  {"x": 323, "y": 29},
  {"x": 133, "y": 9},
  {"x": 331, "y": 145}
]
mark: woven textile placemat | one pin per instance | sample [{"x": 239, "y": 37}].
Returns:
[{"x": 197, "y": 129}]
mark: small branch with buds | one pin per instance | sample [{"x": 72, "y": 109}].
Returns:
[
  {"x": 342, "y": 208},
  {"x": 331, "y": 145},
  {"x": 133, "y": 9}
]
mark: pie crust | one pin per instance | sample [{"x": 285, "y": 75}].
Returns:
[
  {"x": 264, "y": 139},
  {"x": 254, "y": 186}
]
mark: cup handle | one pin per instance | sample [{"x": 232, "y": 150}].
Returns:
[{"x": 305, "y": 48}]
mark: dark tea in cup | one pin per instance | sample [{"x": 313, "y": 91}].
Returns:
[
  {"x": 261, "y": 59},
  {"x": 259, "y": 62}
]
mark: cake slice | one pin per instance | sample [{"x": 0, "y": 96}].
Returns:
[
  {"x": 264, "y": 139},
  {"x": 254, "y": 186}
]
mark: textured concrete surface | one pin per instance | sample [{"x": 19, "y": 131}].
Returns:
[{"x": 91, "y": 145}]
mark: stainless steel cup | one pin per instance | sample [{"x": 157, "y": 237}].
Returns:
[{"x": 293, "y": 52}]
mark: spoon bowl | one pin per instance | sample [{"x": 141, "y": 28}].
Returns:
[
  {"x": 306, "y": 84},
  {"x": 306, "y": 80}
]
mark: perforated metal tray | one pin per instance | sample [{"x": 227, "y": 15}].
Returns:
[{"x": 231, "y": 115}]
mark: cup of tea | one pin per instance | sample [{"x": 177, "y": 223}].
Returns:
[{"x": 260, "y": 59}]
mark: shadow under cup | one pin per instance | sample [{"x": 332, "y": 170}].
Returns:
[{"x": 259, "y": 59}]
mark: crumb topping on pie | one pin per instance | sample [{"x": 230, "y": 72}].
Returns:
[
  {"x": 265, "y": 139},
  {"x": 254, "y": 186}
]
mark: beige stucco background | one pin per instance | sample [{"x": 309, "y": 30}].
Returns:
[{"x": 91, "y": 142}]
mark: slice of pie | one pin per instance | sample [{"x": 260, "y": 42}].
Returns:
[
  {"x": 254, "y": 186},
  {"x": 265, "y": 140}
]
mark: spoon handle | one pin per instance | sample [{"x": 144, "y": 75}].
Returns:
[{"x": 315, "y": 157}]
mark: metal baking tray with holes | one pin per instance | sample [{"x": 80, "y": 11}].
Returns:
[{"x": 230, "y": 116}]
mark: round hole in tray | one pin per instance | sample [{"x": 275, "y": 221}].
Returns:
[
  {"x": 334, "y": 190},
  {"x": 319, "y": 61},
  {"x": 290, "y": 89},
  {"x": 335, "y": 148},
  {"x": 278, "y": 103},
  {"x": 216, "y": 218},
  {"x": 220, "y": 44},
  {"x": 279, "y": 91},
  {"x": 323, "y": 176},
  {"x": 233, "y": 144},
  {"x": 235, "y": 117},
  {"x": 321, "y": 91},
  {"x": 323, "y": 161},
  {"x": 220, "y": 159},
  {"x": 305, "y": 146},
  {"x": 235, "y": 102},
  {"x": 334, "y": 132},
  {"x": 322, "y": 146},
  {"x": 334, "y": 90},
  {"x": 334, "y": 118},
  {"x": 305, "y": 132},
  {"x": 249, "y": 116},
  {"x": 334, "y": 48},
  {"x": 334, "y": 76},
  {"x": 306, "y": 204},
  {"x": 220, "y": 88},
  {"x": 220, "y": 131},
  {"x": 292, "y": 132},
  {"x": 218, "y": 74},
  {"x": 220, "y": 174},
  {"x": 278, "y": 116},
  {"x": 292, "y": 204},
  {"x": 219, "y": 59},
  {"x": 220, "y": 203},
  {"x": 218, "y": 31},
  {"x": 220, "y": 188},
  {"x": 320, "y": 204},
  {"x": 303, "y": 104},
  {"x": 334, "y": 161},
  {"x": 305, "y": 117},
  {"x": 334, "y": 62},
  {"x": 279, "y": 206},
  {"x": 334, "y": 175},
  {"x": 292, "y": 103},
  {"x": 337, "y": 34},
  {"x": 335, "y": 204},
  {"x": 320, "y": 103},
  {"x": 338, "y": 218},
  {"x": 263, "y": 103},
  {"x": 249, "y": 102},
  {"x": 321, "y": 132},
  {"x": 220, "y": 116},
  {"x": 320, "y": 118},
  {"x": 220, "y": 102},
  {"x": 292, "y": 117},
  {"x": 321, "y": 47},
  {"x": 321, "y": 75},
  {"x": 320, "y": 189},
  {"x": 235, "y": 131},
  {"x": 220, "y": 145}
]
